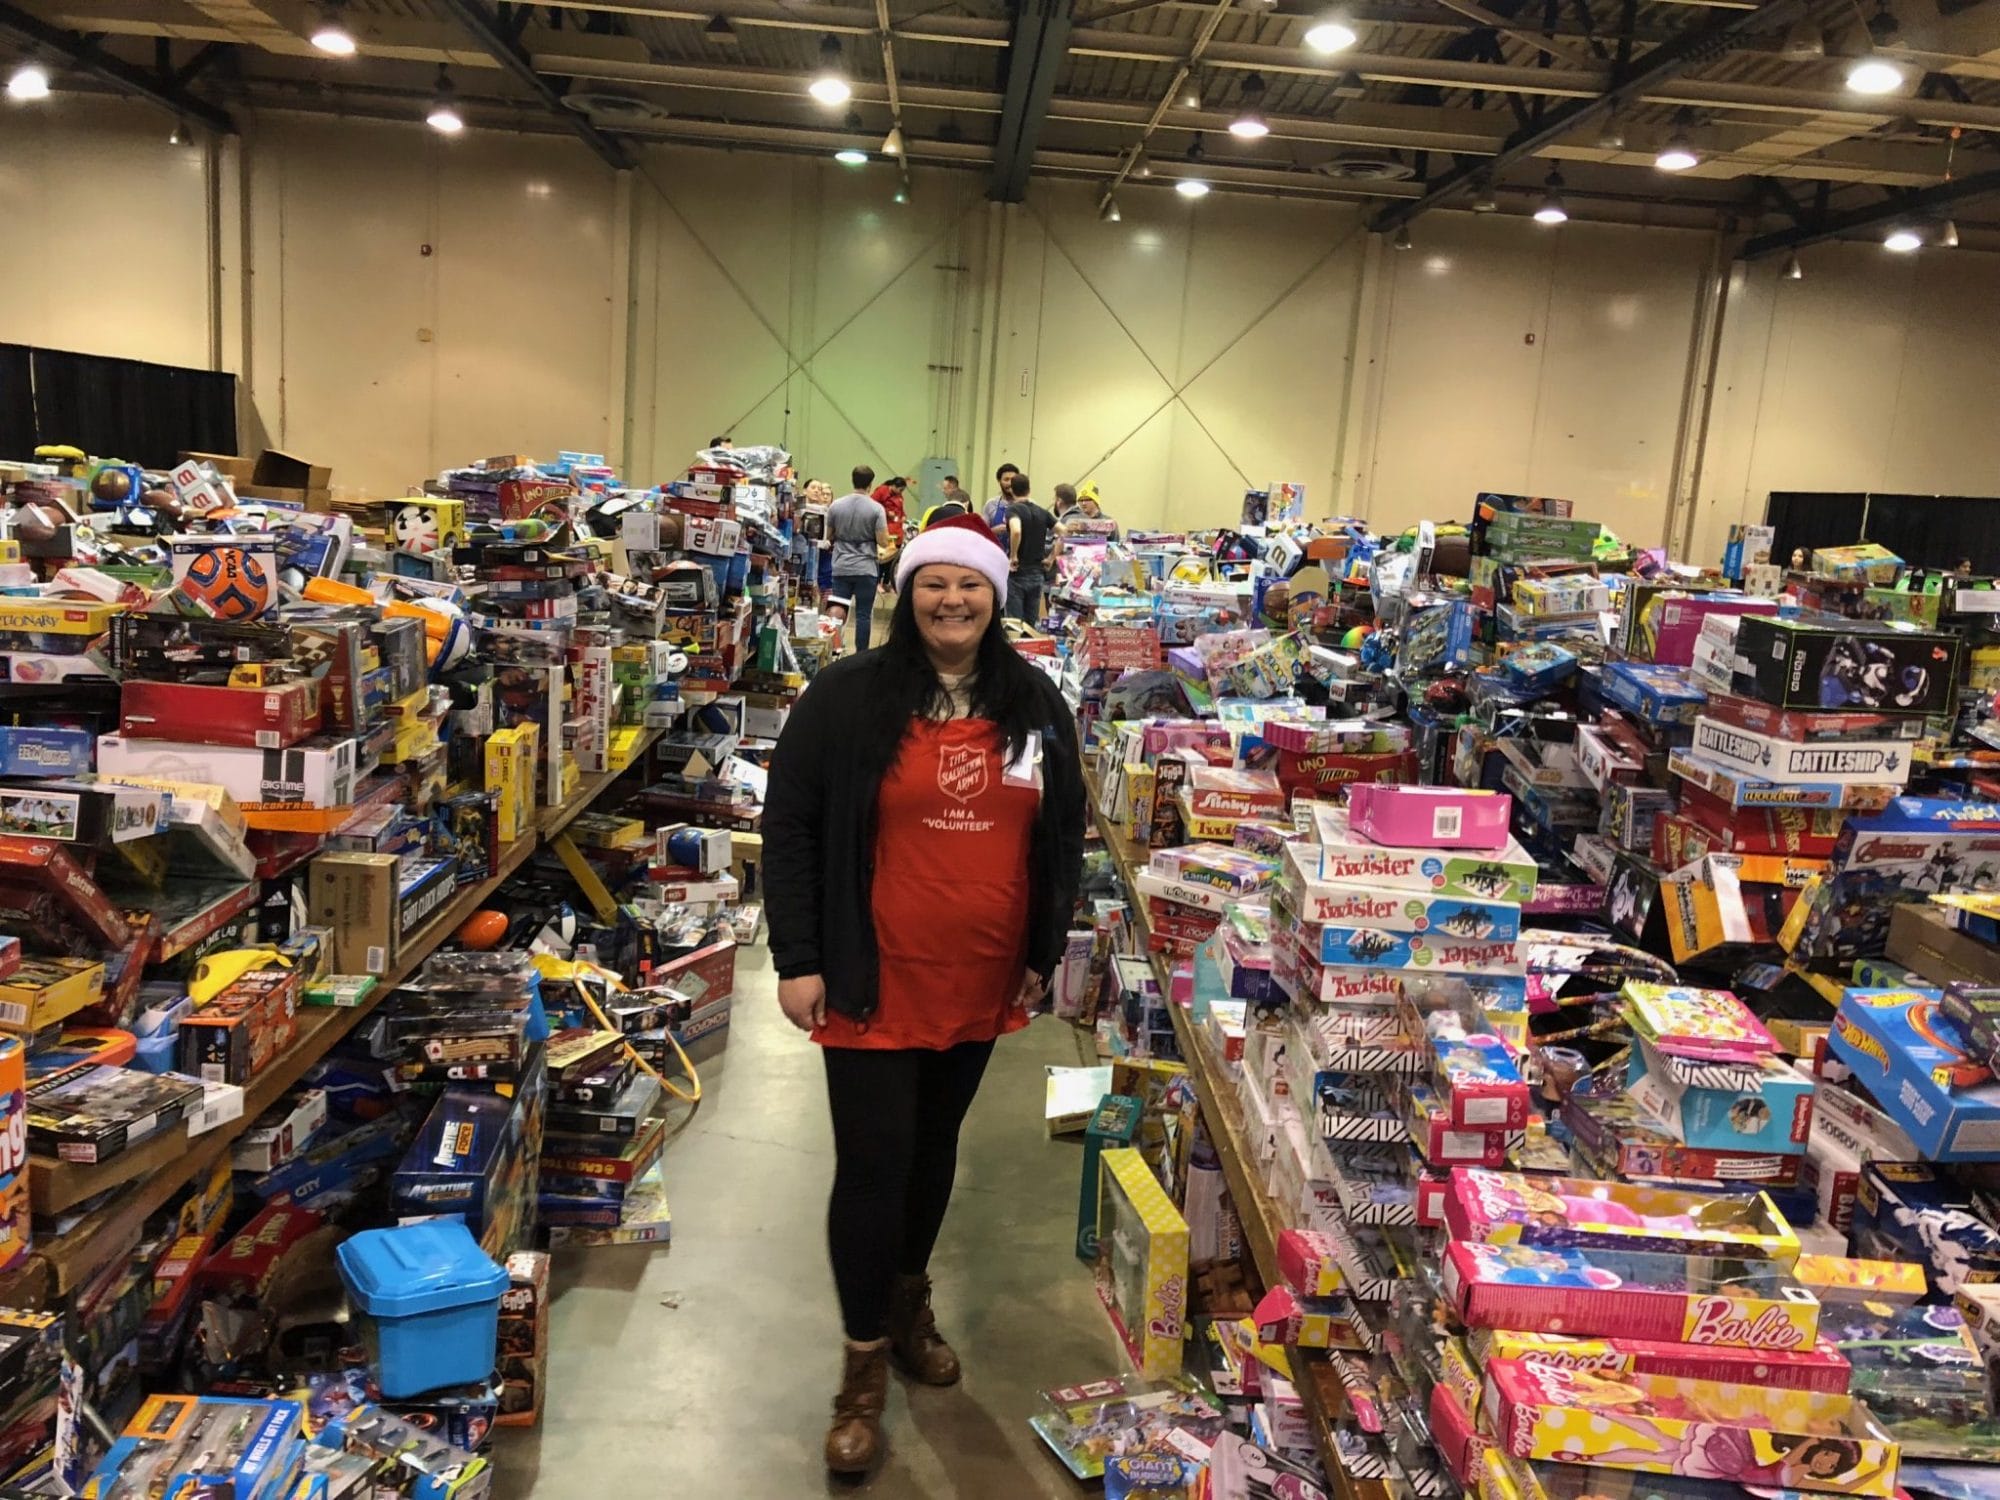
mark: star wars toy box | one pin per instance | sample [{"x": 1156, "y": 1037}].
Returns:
[
  {"x": 199, "y": 1445},
  {"x": 1704, "y": 1429},
  {"x": 1919, "y": 1065},
  {"x": 1835, "y": 664}
]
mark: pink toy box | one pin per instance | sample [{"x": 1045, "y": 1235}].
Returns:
[
  {"x": 1429, "y": 817},
  {"x": 1745, "y": 1434},
  {"x": 1672, "y": 1299},
  {"x": 1820, "y": 1368},
  {"x": 1507, "y": 1208}
]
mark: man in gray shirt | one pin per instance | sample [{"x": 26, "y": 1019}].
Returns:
[{"x": 858, "y": 527}]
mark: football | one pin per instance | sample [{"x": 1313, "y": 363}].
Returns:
[
  {"x": 416, "y": 528},
  {"x": 227, "y": 583}
]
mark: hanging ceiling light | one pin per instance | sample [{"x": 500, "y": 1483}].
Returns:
[
  {"x": 1107, "y": 210},
  {"x": 1483, "y": 200},
  {"x": 1902, "y": 239},
  {"x": 1551, "y": 210},
  {"x": 1250, "y": 124},
  {"x": 902, "y": 195},
  {"x": 29, "y": 81},
  {"x": 1802, "y": 42},
  {"x": 330, "y": 34},
  {"x": 1330, "y": 34},
  {"x": 1873, "y": 73},
  {"x": 851, "y": 156},
  {"x": 1611, "y": 136},
  {"x": 829, "y": 85},
  {"x": 1883, "y": 27},
  {"x": 1401, "y": 240},
  {"x": 181, "y": 135},
  {"x": 1142, "y": 164},
  {"x": 1197, "y": 151},
  {"x": 1678, "y": 154},
  {"x": 892, "y": 143},
  {"x": 1191, "y": 187},
  {"x": 1947, "y": 235},
  {"x": 720, "y": 31},
  {"x": 1190, "y": 97},
  {"x": 444, "y": 116},
  {"x": 1793, "y": 270}
]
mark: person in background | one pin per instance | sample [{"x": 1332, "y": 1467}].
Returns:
[
  {"x": 1065, "y": 502},
  {"x": 859, "y": 531},
  {"x": 956, "y": 502},
  {"x": 725, "y": 442},
  {"x": 889, "y": 495},
  {"x": 1031, "y": 535},
  {"x": 941, "y": 762},
  {"x": 996, "y": 508},
  {"x": 1092, "y": 507}
]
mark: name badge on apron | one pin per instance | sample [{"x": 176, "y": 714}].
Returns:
[{"x": 1025, "y": 769}]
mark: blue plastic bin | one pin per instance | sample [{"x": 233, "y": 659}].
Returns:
[{"x": 430, "y": 1304}]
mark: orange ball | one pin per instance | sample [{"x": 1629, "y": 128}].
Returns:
[{"x": 482, "y": 929}]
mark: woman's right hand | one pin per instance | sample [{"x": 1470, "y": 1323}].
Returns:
[{"x": 803, "y": 1001}]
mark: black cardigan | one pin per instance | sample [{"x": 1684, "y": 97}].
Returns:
[{"x": 819, "y": 839}]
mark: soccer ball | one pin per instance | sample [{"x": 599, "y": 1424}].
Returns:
[
  {"x": 227, "y": 583},
  {"x": 416, "y": 528}
]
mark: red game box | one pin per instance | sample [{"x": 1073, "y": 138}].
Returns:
[
  {"x": 50, "y": 866},
  {"x": 268, "y": 718}
]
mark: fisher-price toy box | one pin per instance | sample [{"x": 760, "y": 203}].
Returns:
[
  {"x": 1142, "y": 1263},
  {"x": 1748, "y": 1434}
]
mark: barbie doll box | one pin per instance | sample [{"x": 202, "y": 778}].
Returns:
[
  {"x": 1749, "y": 1434},
  {"x": 1507, "y": 1208},
  {"x": 1820, "y": 1368},
  {"x": 1142, "y": 1245},
  {"x": 1667, "y": 1299}
]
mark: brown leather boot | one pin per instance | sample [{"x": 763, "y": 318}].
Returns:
[
  {"x": 914, "y": 1336},
  {"x": 854, "y": 1441}
]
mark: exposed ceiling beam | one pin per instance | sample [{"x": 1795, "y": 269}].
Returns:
[
  {"x": 1504, "y": 27},
  {"x": 1919, "y": 204},
  {"x": 1699, "y": 45},
  {"x": 1041, "y": 40},
  {"x": 1130, "y": 157},
  {"x": 889, "y": 74},
  {"x": 475, "y": 18},
  {"x": 84, "y": 54}
]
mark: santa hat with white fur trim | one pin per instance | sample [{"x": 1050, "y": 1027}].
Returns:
[{"x": 965, "y": 541}]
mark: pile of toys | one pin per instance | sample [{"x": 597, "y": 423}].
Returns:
[
  {"x": 319, "y": 913},
  {"x": 1566, "y": 937}
]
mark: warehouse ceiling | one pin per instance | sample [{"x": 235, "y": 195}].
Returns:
[{"x": 1434, "y": 103}]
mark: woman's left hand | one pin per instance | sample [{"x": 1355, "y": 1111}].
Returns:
[{"x": 1032, "y": 990}]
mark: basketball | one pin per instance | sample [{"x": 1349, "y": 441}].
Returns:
[{"x": 227, "y": 583}]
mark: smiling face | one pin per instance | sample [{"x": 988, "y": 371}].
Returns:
[{"x": 953, "y": 606}]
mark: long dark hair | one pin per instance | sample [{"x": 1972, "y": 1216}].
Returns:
[{"x": 1003, "y": 688}]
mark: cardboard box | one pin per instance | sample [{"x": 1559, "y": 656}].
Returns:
[
  {"x": 281, "y": 1132},
  {"x": 1922, "y": 938},
  {"x": 524, "y": 1339},
  {"x": 45, "y": 865},
  {"x": 29, "y": 751},
  {"x": 235, "y": 1035},
  {"x": 97, "y": 815},
  {"x": 318, "y": 773},
  {"x": 356, "y": 896},
  {"x": 1881, "y": 762}
]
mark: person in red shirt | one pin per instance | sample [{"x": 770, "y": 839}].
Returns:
[
  {"x": 942, "y": 761},
  {"x": 889, "y": 495}
]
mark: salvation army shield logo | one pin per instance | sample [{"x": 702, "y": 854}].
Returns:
[{"x": 962, "y": 772}]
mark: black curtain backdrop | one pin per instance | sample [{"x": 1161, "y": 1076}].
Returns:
[
  {"x": 144, "y": 413},
  {"x": 1926, "y": 531}
]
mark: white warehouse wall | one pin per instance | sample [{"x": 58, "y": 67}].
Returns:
[{"x": 1177, "y": 357}]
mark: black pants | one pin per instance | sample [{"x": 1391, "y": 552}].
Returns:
[
  {"x": 895, "y": 1142},
  {"x": 861, "y": 590}
]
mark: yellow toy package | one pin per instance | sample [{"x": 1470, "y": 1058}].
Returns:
[{"x": 1142, "y": 1258}]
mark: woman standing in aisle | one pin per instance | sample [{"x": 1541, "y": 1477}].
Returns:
[{"x": 942, "y": 762}]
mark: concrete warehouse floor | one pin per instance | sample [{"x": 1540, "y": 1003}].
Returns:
[{"x": 708, "y": 1369}]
